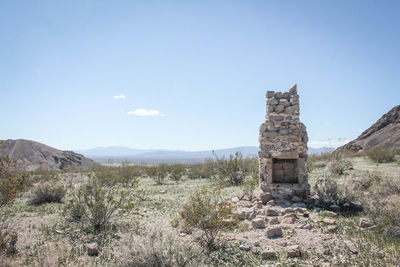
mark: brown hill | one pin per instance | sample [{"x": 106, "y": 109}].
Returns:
[
  {"x": 383, "y": 133},
  {"x": 31, "y": 155}
]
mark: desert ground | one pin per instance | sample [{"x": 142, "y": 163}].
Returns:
[{"x": 193, "y": 215}]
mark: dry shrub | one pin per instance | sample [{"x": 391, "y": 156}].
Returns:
[
  {"x": 331, "y": 192},
  {"x": 381, "y": 155},
  {"x": 160, "y": 248},
  {"x": 8, "y": 239},
  {"x": 47, "y": 193},
  {"x": 389, "y": 218},
  {"x": 338, "y": 163},
  {"x": 207, "y": 212}
]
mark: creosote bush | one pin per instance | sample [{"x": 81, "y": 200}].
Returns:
[
  {"x": 11, "y": 183},
  {"x": 96, "y": 206},
  {"x": 248, "y": 187},
  {"x": 158, "y": 173},
  {"x": 231, "y": 170},
  {"x": 206, "y": 211},
  {"x": 47, "y": 193},
  {"x": 381, "y": 155}
]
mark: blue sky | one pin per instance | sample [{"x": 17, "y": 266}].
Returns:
[{"x": 193, "y": 73}]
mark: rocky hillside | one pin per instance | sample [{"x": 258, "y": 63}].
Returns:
[
  {"x": 31, "y": 155},
  {"x": 384, "y": 133}
]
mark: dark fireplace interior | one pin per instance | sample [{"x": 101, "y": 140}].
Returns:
[{"x": 284, "y": 171}]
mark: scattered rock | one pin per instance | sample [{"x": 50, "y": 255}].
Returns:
[
  {"x": 293, "y": 251},
  {"x": 288, "y": 210},
  {"x": 271, "y": 212},
  {"x": 273, "y": 221},
  {"x": 330, "y": 213},
  {"x": 162, "y": 191},
  {"x": 290, "y": 215},
  {"x": 274, "y": 232},
  {"x": 289, "y": 220},
  {"x": 305, "y": 226},
  {"x": 329, "y": 221},
  {"x": 59, "y": 232},
  {"x": 235, "y": 199},
  {"x": 265, "y": 197},
  {"x": 366, "y": 223},
  {"x": 331, "y": 228},
  {"x": 268, "y": 254},
  {"x": 92, "y": 249},
  {"x": 258, "y": 223}
]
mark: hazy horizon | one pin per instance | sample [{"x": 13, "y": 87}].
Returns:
[{"x": 192, "y": 75}]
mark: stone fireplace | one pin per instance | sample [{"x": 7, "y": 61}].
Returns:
[{"x": 283, "y": 147}]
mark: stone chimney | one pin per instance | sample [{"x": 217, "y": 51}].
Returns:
[{"x": 283, "y": 147}]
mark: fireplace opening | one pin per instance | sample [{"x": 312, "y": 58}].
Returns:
[{"x": 284, "y": 171}]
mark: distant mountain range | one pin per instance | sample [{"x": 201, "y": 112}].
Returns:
[{"x": 118, "y": 154}]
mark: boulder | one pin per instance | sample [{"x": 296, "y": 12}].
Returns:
[
  {"x": 274, "y": 232},
  {"x": 265, "y": 197},
  {"x": 330, "y": 213},
  {"x": 271, "y": 212},
  {"x": 289, "y": 220},
  {"x": 258, "y": 223}
]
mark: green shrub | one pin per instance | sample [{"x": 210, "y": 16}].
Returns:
[
  {"x": 206, "y": 212},
  {"x": 248, "y": 187},
  {"x": 158, "y": 173},
  {"x": 381, "y": 155},
  {"x": 231, "y": 170},
  {"x": 207, "y": 169},
  {"x": 11, "y": 183},
  {"x": 47, "y": 193},
  {"x": 96, "y": 206},
  {"x": 176, "y": 172},
  {"x": 8, "y": 239}
]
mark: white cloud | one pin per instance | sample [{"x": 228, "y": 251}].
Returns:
[
  {"x": 329, "y": 142},
  {"x": 119, "y": 97},
  {"x": 144, "y": 112}
]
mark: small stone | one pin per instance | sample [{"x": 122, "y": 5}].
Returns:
[
  {"x": 299, "y": 205},
  {"x": 307, "y": 227},
  {"x": 235, "y": 199},
  {"x": 290, "y": 215},
  {"x": 244, "y": 247},
  {"x": 289, "y": 220},
  {"x": 331, "y": 228},
  {"x": 278, "y": 95},
  {"x": 274, "y": 232},
  {"x": 365, "y": 222},
  {"x": 271, "y": 203},
  {"x": 92, "y": 249},
  {"x": 258, "y": 223},
  {"x": 330, "y": 213},
  {"x": 265, "y": 197},
  {"x": 293, "y": 251},
  {"x": 268, "y": 254},
  {"x": 271, "y": 212},
  {"x": 329, "y": 221},
  {"x": 273, "y": 221}
]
